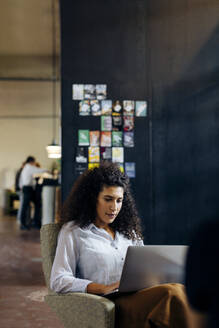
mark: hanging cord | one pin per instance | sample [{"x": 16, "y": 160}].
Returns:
[{"x": 54, "y": 77}]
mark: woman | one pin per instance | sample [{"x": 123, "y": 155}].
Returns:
[{"x": 100, "y": 221}]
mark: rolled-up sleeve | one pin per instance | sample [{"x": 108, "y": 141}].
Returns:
[{"x": 63, "y": 275}]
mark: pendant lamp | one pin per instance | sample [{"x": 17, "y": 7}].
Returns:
[{"x": 54, "y": 150}]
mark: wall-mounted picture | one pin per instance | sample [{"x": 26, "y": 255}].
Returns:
[
  {"x": 106, "y": 107},
  {"x": 128, "y": 123},
  {"x": 93, "y": 165},
  {"x": 105, "y": 139},
  {"x": 128, "y": 139},
  {"x": 141, "y": 108},
  {"x": 128, "y": 107},
  {"x": 84, "y": 108},
  {"x": 94, "y": 154},
  {"x": 117, "y": 122},
  {"x": 118, "y": 154},
  {"x": 117, "y": 108},
  {"x": 106, "y": 123},
  {"x": 94, "y": 138},
  {"x": 89, "y": 91},
  {"x": 106, "y": 153},
  {"x": 77, "y": 91},
  {"x": 117, "y": 138},
  {"x": 101, "y": 91},
  {"x": 121, "y": 166},
  {"x": 80, "y": 168},
  {"x": 81, "y": 155},
  {"x": 130, "y": 169},
  {"x": 83, "y": 138},
  {"x": 95, "y": 107}
]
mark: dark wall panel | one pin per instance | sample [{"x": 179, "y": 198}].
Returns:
[
  {"x": 167, "y": 53},
  {"x": 105, "y": 42},
  {"x": 184, "y": 72}
]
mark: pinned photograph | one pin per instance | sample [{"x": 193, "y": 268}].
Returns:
[
  {"x": 81, "y": 155},
  {"x": 106, "y": 107},
  {"x": 121, "y": 166},
  {"x": 77, "y": 91},
  {"x": 117, "y": 138},
  {"x": 94, "y": 138},
  {"x": 89, "y": 91},
  {"x": 94, "y": 154},
  {"x": 117, "y": 123},
  {"x": 105, "y": 139},
  {"x": 117, "y": 108},
  {"x": 130, "y": 169},
  {"x": 128, "y": 107},
  {"x": 83, "y": 137},
  {"x": 84, "y": 108},
  {"x": 101, "y": 91},
  {"x": 118, "y": 154},
  {"x": 128, "y": 139},
  {"x": 106, "y": 123},
  {"x": 106, "y": 153},
  {"x": 128, "y": 123},
  {"x": 93, "y": 165},
  {"x": 141, "y": 108},
  {"x": 80, "y": 168},
  {"x": 95, "y": 107}
]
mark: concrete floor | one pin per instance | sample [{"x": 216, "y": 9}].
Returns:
[{"x": 22, "y": 285}]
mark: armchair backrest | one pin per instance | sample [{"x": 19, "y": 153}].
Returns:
[{"x": 48, "y": 239}]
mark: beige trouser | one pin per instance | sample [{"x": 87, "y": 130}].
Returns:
[{"x": 159, "y": 306}]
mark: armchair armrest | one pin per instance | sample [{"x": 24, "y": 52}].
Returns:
[{"x": 82, "y": 310}]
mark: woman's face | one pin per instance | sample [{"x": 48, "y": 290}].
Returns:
[{"x": 109, "y": 204}]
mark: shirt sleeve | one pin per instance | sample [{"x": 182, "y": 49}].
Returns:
[{"x": 63, "y": 275}]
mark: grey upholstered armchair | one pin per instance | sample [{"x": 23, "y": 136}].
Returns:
[{"x": 73, "y": 309}]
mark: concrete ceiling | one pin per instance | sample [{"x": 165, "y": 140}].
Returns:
[{"x": 26, "y": 38}]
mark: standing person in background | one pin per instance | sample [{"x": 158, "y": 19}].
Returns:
[
  {"x": 27, "y": 184},
  {"x": 18, "y": 190}
]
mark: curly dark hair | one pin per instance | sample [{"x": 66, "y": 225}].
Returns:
[{"x": 80, "y": 205}]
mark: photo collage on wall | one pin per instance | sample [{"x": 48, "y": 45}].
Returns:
[{"x": 116, "y": 132}]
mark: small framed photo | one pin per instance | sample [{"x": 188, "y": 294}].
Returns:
[
  {"x": 84, "y": 108},
  {"x": 106, "y": 123},
  {"x": 101, "y": 91},
  {"x": 95, "y": 107},
  {"x": 83, "y": 138},
  {"x": 128, "y": 123},
  {"x": 94, "y": 138},
  {"x": 105, "y": 139},
  {"x": 141, "y": 108},
  {"x": 130, "y": 169},
  {"x": 117, "y": 122},
  {"x": 118, "y": 154},
  {"x": 81, "y": 155},
  {"x": 128, "y": 107},
  {"x": 89, "y": 91},
  {"x": 129, "y": 139},
  {"x": 77, "y": 91},
  {"x": 94, "y": 154},
  {"x": 106, "y": 153},
  {"x": 106, "y": 107},
  {"x": 117, "y": 138},
  {"x": 117, "y": 108}
]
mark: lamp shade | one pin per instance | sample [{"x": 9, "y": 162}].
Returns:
[{"x": 54, "y": 150}]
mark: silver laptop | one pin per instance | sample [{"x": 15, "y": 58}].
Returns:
[{"x": 146, "y": 266}]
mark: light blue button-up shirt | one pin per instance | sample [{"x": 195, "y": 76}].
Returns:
[{"x": 87, "y": 255}]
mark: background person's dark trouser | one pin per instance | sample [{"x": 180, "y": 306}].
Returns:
[{"x": 28, "y": 196}]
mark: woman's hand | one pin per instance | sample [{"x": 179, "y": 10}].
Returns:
[{"x": 101, "y": 289}]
